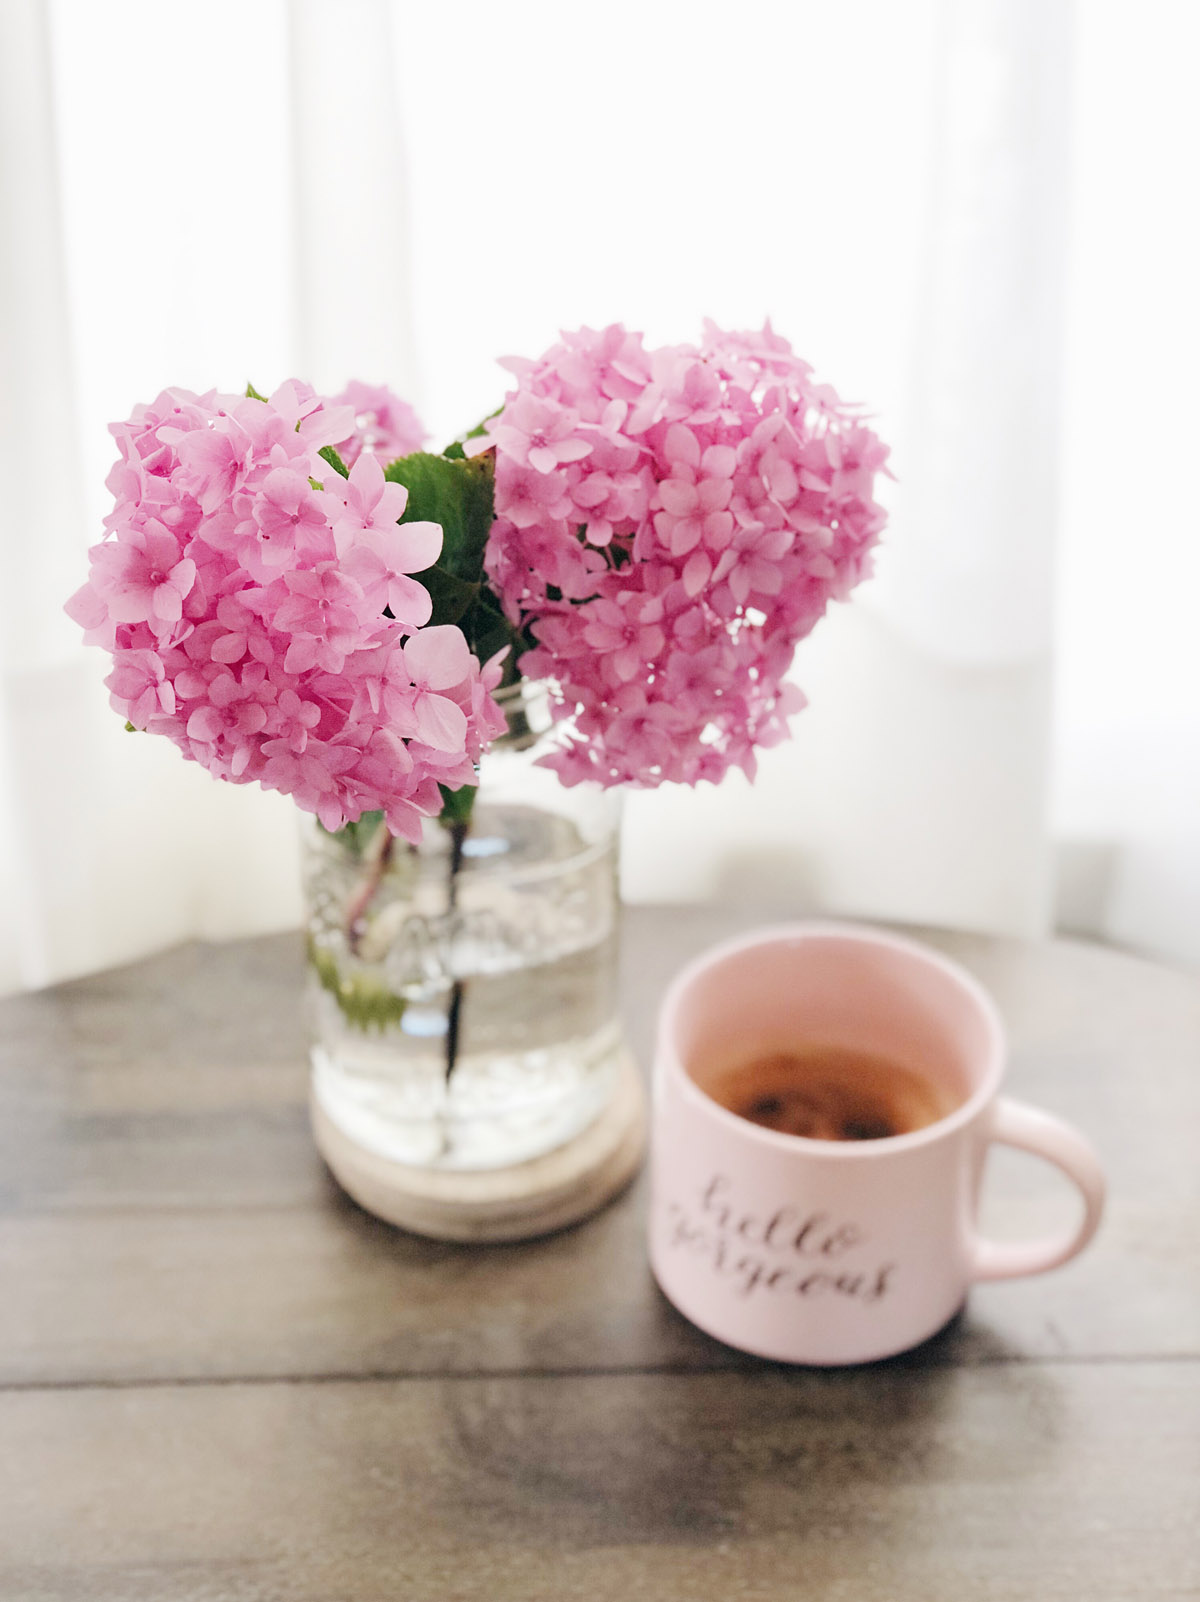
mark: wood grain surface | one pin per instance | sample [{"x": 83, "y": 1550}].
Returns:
[{"x": 220, "y": 1379}]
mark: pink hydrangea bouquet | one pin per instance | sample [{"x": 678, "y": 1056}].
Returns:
[
  {"x": 297, "y": 595},
  {"x": 669, "y": 524}
]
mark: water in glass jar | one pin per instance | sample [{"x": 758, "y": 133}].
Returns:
[{"x": 467, "y": 1020}]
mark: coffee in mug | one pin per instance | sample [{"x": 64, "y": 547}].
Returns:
[
  {"x": 824, "y": 1099},
  {"x": 831, "y": 1092}
]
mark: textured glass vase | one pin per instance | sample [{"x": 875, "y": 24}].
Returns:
[{"x": 463, "y": 992}]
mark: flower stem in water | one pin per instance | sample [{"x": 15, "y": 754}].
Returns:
[
  {"x": 458, "y": 835},
  {"x": 380, "y": 858},
  {"x": 456, "y": 819}
]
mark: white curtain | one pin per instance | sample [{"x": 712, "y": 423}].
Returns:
[
  {"x": 1127, "y": 726},
  {"x": 145, "y": 218},
  {"x": 396, "y": 192}
]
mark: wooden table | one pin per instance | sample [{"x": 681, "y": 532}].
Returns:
[{"x": 221, "y": 1380}]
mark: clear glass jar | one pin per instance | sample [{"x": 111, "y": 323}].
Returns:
[{"x": 462, "y": 992}]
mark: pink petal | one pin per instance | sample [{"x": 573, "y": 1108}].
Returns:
[
  {"x": 685, "y": 536},
  {"x": 229, "y": 648},
  {"x": 402, "y": 819},
  {"x": 714, "y": 494},
  {"x": 681, "y": 445},
  {"x": 718, "y": 530},
  {"x": 330, "y": 811},
  {"x": 613, "y": 416},
  {"x": 570, "y": 450},
  {"x": 766, "y": 580},
  {"x": 86, "y": 608},
  {"x": 410, "y": 603},
  {"x": 781, "y": 479},
  {"x": 167, "y": 604},
  {"x": 739, "y": 583},
  {"x": 438, "y": 658},
  {"x": 592, "y": 491},
  {"x": 327, "y": 427},
  {"x": 626, "y": 662},
  {"x": 183, "y": 577},
  {"x": 543, "y": 458},
  {"x": 719, "y": 461},
  {"x": 301, "y": 655},
  {"x": 696, "y": 573},
  {"x": 441, "y": 723},
  {"x": 366, "y": 476},
  {"x": 677, "y": 496},
  {"x": 251, "y": 717},
  {"x": 414, "y": 547},
  {"x": 725, "y": 564},
  {"x": 223, "y": 689},
  {"x": 205, "y": 724}
]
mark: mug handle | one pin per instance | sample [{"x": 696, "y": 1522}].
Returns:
[{"x": 1015, "y": 1124}]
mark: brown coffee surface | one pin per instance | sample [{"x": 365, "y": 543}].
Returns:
[{"x": 831, "y": 1093}]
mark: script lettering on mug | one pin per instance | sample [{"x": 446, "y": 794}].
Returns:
[{"x": 776, "y": 1252}]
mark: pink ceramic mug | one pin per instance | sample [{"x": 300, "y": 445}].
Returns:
[{"x": 822, "y": 1251}]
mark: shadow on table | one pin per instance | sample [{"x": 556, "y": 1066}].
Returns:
[{"x": 757, "y": 1450}]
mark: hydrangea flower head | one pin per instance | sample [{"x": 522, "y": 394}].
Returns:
[
  {"x": 384, "y": 425},
  {"x": 261, "y": 611},
  {"x": 670, "y": 524}
]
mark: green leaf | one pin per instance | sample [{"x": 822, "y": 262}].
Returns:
[
  {"x": 452, "y": 597},
  {"x": 363, "y": 999},
  {"x": 252, "y": 393},
  {"x": 458, "y": 495},
  {"x": 457, "y": 805},
  {"x": 488, "y": 631},
  {"x": 132, "y": 728},
  {"x": 328, "y": 454}
]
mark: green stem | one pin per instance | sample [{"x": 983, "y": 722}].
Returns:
[
  {"x": 455, "y": 818},
  {"x": 458, "y": 836}
]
